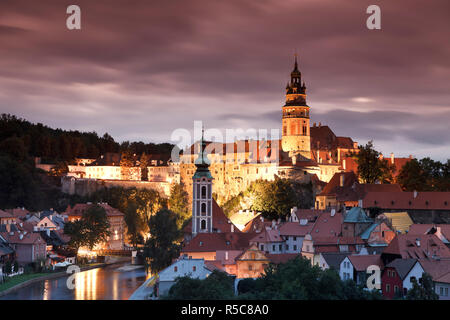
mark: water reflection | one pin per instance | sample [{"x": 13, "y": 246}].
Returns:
[{"x": 109, "y": 283}]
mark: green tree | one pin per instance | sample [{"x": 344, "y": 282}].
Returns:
[
  {"x": 143, "y": 164},
  {"x": 371, "y": 168},
  {"x": 422, "y": 290},
  {"x": 163, "y": 244},
  {"x": 135, "y": 224},
  {"x": 412, "y": 177},
  {"x": 217, "y": 286},
  {"x": 91, "y": 229},
  {"x": 179, "y": 203}
]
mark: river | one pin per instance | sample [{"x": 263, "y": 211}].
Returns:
[{"x": 114, "y": 282}]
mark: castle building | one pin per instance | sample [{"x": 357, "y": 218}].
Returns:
[{"x": 304, "y": 153}]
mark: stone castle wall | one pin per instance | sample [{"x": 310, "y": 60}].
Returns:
[{"x": 85, "y": 187}]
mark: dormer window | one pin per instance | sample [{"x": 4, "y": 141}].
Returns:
[{"x": 392, "y": 202}]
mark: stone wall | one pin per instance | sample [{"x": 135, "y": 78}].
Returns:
[{"x": 85, "y": 187}]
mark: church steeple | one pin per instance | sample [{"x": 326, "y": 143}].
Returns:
[
  {"x": 295, "y": 85},
  {"x": 202, "y": 193}
]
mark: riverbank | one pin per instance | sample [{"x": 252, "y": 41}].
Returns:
[
  {"x": 144, "y": 291},
  {"x": 24, "y": 280}
]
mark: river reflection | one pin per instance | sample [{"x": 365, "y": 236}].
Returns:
[{"x": 116, "y": 282}]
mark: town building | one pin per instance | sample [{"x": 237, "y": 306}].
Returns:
[{"x": 397, "y": 277}]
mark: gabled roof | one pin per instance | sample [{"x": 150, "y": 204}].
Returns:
[
  {"x": 18, "y": 212},
  {"x": 267, "y": 236},
  {"x": 4, "y": 214},
  {"x": 332, "y": 188},
  {"x": 212, "y": 242},
  {"x": 327, "y": 225},
  {"x": 361, "y": 262},
  {"x": 402, "y": 266},
  {"x": 438, "y": 269},
  {"x": 295, "y": 229},
  {"x": 444, "y": 230},
  {"x": 400, "y": 221},
  {"x": 417, "y": 247},
  {"x": 334, "y": 259},
  {"x": 356, "y": 215},
  {"x": 79, "y": 208},
  {"x": 366, "y": 234},
  {"x": 28, "y": 238}
]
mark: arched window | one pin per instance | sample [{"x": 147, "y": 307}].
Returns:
[
  {"x": 203, "y": 225},
  {"x": 203, "y": 208},
  {"x": 203, "y": 192}
]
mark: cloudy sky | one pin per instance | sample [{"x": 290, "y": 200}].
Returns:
[{"x": 140, "y": 69}]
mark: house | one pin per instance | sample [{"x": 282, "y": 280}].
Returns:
[
  {"x": 293, "y": 234},
  {"x": 379, "y": 234},
  {"x": 29, "y": 247},
  {"x": 46, "y": 223},
  {"x": 442, "y": 231},
  {"x": 355, "y": 222},
  {"x": 355, "y": 267},
  {"x": 241, "y": 218},
  {"x": 20, "y": 213},
  {"x": 331, "y": 260},
  {"x": 269, "y": 240},
  {"x": 182, "y": 267},
  {"x": 6, "y": 252},
  {"x": 115, "y": 219},
  {"x": 409, "y": 246},
  {"x": 6, "y": 218},
  {"x": 345, "y": 191},
  {"x": 439, "y": 270},
  {"x": 397, "y": 277},
  {"x": 399, "y": 221},
  {"x": 251, "y": 263}
]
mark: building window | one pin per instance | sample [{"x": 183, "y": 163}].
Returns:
[
  {"x": 203, "y": 192},
  {"x": 203, "y": 225},
  {"x": 194, "y": 268},
  {"x": 388, "y": 288},
  {"x": 273, "y": 248},
  {"x": 203, "y": 208},
  {"x": 295, "y": 247},
  {"x": 175, "y": 269}
]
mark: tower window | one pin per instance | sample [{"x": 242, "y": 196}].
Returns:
[
  {"x": 203, "y": 208},
  {"x": 203, "y": 192},
  {"x": 203, "y": 225}
]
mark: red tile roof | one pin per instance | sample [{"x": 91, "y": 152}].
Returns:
[
  {"x": 332, "y": 187},
  {"x": 267, "y": 236},
  {"x": 405, "y": 245},
  {"x": 4, "y": 214},
  {"x": 427, "y": 228},
  {"x": 80, "y": 208},
  {"x": 28, "y": 238},
  {"x": 18, "y": 212},
  {"x": 211, "y": 242},
  {"x": 295, "y": 229},
  {"x": 327, "y": 225},
  {"x": 361, "y": 262},
  {"x": 406, "y": 200},
  {"x": 438, "y": 269}
]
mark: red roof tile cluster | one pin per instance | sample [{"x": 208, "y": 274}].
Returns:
[
  {"x": 22, "y": 238},
  {"x": 415, "y": 246},
  {"x": 267, "y": 236},
  {"x": 80, "y": 208},
  {"x": 18, "y": 212},
  {"x": 211, "y": 242},
  {"x": 438, "y": 269},
  {"x": 282, "y": 257},
  {"x": 361, "y": 262},
  {"x": 327, "y": 225},
  {"x": 443, "y": 229},
  {"x": 408, "y": 200},
  {"x": 295, "y": 229},
  {"x": 4, "y": 214}
]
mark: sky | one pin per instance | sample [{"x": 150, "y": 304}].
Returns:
[{"x": 141, "y": 69}]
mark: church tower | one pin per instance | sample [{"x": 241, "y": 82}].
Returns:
[
  {"x": 202, "y": 193},
  {"x": 295, "y": 135}
]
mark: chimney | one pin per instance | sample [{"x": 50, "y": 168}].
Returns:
[
  {"x": 344, "y": 164},
  {"x": 274, "y": 222},
  {"x": 232, "y": 227},
  {"x": 392, "y": 158},
  {"x": 226, "y": 255},
  {"x": 381, "y": 156},
  {"x": 341, "y": 180},
  {"x": 20, "y": 236},
  {"x": 333, "y": 212},
  {"x": 415, "y": 194},
  {"x": 320, "y": 124},
  {"x": 48, "y": 232},
  {"x": 410, "y": 156},
  {"x": 418, "y": 242},
  {"x": 314, "y": 125},
  {"x": 294, "y": 160}
]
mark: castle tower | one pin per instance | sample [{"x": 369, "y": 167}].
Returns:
[
  {"x": 202, "y": 194},
  {"x": 295, "y": 135}
]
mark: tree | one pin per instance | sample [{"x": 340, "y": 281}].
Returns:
[
  {"x": 126, "y": 165},
  {"x": 91, "y": 229},
  {"x": 76, "y": 231},
  {"x": 162, "y": 246},
  {"x": 135, "y": 224},
  {"x": 143, "y": 164},
  {"x": 412, "y": 177},
  {"x": 60, "y": 169},
  {"x": 371, "y": 168},
  {"x": 424, "y": 290},
  {"x": 217, "y": 286},
  {"x": 179, "y": 203}
]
